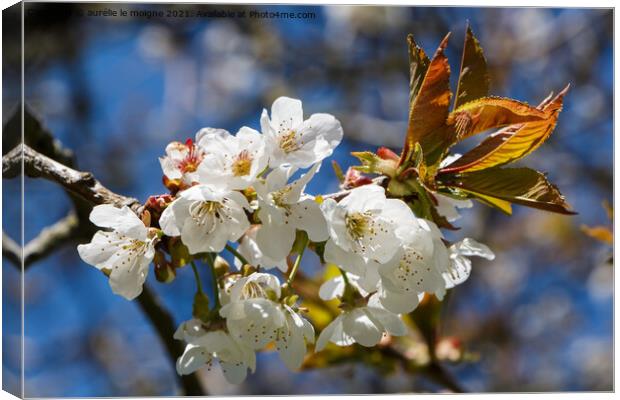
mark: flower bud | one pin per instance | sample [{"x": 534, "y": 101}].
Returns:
[
  {"x": 174, "y": 185},
  {"x": 179, "y": 252},
  {"x": 146, "y": 218},
  {"x": 387, "y": 154},
  {"x": 355, "y": 178}
]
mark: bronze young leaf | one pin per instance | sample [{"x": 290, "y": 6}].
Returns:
[
  {"x": 514, "y": 185},
  {"x": 429, "y": 110},
  {"x": 473, "y": 77},
  {"x": 511, "y": 143}
]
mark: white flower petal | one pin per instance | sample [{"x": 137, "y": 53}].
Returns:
[
  {"x": 286, "y": 112},
  {"x": 192, "y": 359},
  {"x": 391, "y": 322},
  {"x": 361, "y": 327},
  {"x": 328, "y": 333},
  {"x": 235, "y": 372},
  {"x": 332, "y": 288},
  {"x": 101, "y": 248},
  {"x": 327, "y": 132},
  {"x": 168, "y": 222},
  {"x": 307, "y": 216},
  {"x": 122, "y": 220},
  {"x": 349, "y": 262},
  {"x": 127, "y": 282},
  {"x": 276, "y": 241},
  {"x": 470, "y": 247}
]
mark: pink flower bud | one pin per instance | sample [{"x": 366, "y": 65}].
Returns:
[{"x": 353, "y": 178}]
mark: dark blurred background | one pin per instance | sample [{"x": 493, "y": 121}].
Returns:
[{"x": 117, "y": 90}]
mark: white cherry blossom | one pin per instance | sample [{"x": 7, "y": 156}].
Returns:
[
  {"x": 294, "y": 141},
  {"x": 248, "y": 248},
  {"x": 206, "y": 218},
  {"x": 232, "y": 162},
  {"x": 365, "y": 325},
  {"x": 182, "y": 160},
  {"x": 284, "y": 208},
  {"x": 416, "y": 268},
  {"x": 203, "y": 346},
  {"x": 255, "y": 317},
  {"x": 125, "y": 252},
  {"x": 363, "y": 230},
  {"x": 252, "y": 314}
]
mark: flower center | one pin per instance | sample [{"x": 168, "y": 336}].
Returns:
[
  {"x": 279, "y": 197},
  {"x": 253, "y": 290},
  {"x": 288, "y": 142},
  {"x": 242, "y": 164},
  {"x": 134, "y": 246},
  {"x": 358, "y": 224},
  {"x": 204, "y": 211},
  {"x": 192, "y": 159}
]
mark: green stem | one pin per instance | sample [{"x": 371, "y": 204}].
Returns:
[
  {"x": 344, "y": 277},
  {"x": 197, "y": 276},
  {"x": 216, "y": 287},
  {"x": 304, "y": 244},
  {"x": 235, "y": 253},
  {"x": 348, "y": 295}
]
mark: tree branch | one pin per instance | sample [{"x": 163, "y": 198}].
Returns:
[
  {"x": 164, "y": 325},
  {"x": 84, "y": 188},
  {"x": 51, "y": 238},
  {"x": 434, "y": 370},
  {"x": 83, "y": 184},
  {"x": 11, "y": 250}
]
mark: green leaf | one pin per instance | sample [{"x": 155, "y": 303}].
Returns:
[
  {"x": 429, "y": 111},
  {"x": 524, "y": 186},
  {"x": 473, "y": 78},
  {"x": 512, "y": 143}
]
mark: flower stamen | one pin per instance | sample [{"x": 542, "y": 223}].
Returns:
[
  {"x": 288, "y": 142},
  {"x": 242, "y": 164}
]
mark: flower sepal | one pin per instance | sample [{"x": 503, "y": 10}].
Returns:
[{"x": 200, "y": 307}]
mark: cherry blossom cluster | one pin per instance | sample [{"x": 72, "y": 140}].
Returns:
[{"x": 245, "y": 193}]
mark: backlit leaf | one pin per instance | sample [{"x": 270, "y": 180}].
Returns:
[
  {"x": 523, "y": 186},
  {"x": 429, "y": 110},
  {"x": 491, "y": 112},
  {"x": 418, "y": 65},
  {"x": 473, "y": 78},
  {"x": 511, "y": 143}
]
